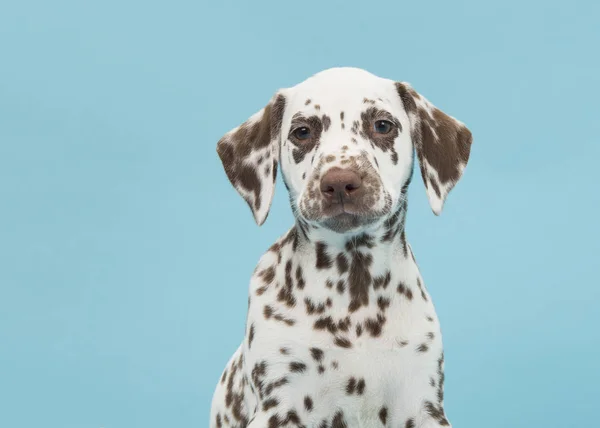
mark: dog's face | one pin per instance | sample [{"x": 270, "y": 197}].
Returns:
[{"x": 345, "y": 141}]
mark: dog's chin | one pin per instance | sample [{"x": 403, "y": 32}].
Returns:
[
  {"x": 346, "y": 219},
  {"x": 346, "y": 222}
]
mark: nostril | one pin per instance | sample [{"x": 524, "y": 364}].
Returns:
[
  {"x": 329, "y": 190},
  {"x": 351, "y": 187}
]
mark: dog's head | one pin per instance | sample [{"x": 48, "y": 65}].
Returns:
[{"x": 345, "y": 141}]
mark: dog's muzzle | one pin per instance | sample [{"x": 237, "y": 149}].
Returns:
[{"x": 342, "y": 200}]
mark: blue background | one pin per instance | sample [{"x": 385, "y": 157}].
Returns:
[{"x": 125, "y": 255}]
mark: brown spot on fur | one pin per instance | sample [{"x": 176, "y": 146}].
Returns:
[
  {"x": 342, "y": 263},
  {"x": 344, "y": 324},
  {"x": 437, "y": 413},
  {"x": 404, "y": 290},
  {"x": 270, "y": 403},
  {"x": 359, "y": 280},
  {"x": 375, "y": 326},
  {"x": 267, "y": 311},
  {"x": 267, "y": 275},
  {"x": 250, "y": 335},
  {"x": 420, "y": 285},
  {"x": 342, "y": 342},
  {"x": 351, "y": 386},
  {"x": 382, "y": 281},
  {"x": 383, "y": 415},
  {"x": 338, "y": 420},
  {"x": 317, "y": 354},
  {"x": 275, "y": 422},
  {"x": 383, "y": 303},
  {"x": 326, "y": 122},
  {"x": 360, "y": 387},
  {"x": 308, "y": 403},
  {"x": 359, "y": 330},
  {"x": 299, "y": 278},
  {"x": 323, "y": 259},
  {"x": 325, "y": 323},
  {"x": 297, "y": 367},
  {"x": 286, "y": 293},
  {"x": 312, "y": 308},
  {"x": 275, "y": 385}
]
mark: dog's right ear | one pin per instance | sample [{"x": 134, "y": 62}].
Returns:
[{"x": 250, "y": 153}]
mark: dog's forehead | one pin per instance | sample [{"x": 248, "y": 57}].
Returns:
[{"x": 344, "y": 89}]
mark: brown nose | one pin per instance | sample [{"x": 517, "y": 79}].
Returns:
[{"x": 340, "y": 184}]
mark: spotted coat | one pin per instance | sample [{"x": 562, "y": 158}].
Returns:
[{"x": 341, "y": 330}]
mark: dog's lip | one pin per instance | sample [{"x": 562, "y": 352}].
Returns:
[
  {"x": 344, "y": 213},
  {"x": 341, "y": 209}
]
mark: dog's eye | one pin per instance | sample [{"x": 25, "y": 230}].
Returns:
[
  {"x": 302, "y": 133},
  {"x": 382, "y": 126}
]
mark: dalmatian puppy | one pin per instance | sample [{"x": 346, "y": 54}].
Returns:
[{"x": 340, "y": 331}]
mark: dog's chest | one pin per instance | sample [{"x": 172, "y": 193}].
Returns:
[
  {"x": 350, "y": 330},
  {"x": 349, "y": 300}
]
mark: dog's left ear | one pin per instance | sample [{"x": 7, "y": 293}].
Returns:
[
  {"x": 250, "y": 153},
  {"x": 442, "y": 144}
]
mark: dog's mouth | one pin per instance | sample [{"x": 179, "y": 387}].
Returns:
[{"x": 344, "y": 216}]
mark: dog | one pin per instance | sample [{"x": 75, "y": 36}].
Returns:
[{"x": 340, "y": 331}]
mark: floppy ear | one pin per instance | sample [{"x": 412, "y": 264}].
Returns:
[
  {"x": 250, "y": 153},
  {"x": 442, "y": 143}
]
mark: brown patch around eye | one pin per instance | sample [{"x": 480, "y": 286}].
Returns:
[
  {"x": 307, "y": 102},
  {"x": 384, "y": 142},
  {"x": 303, "y": 147}
]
